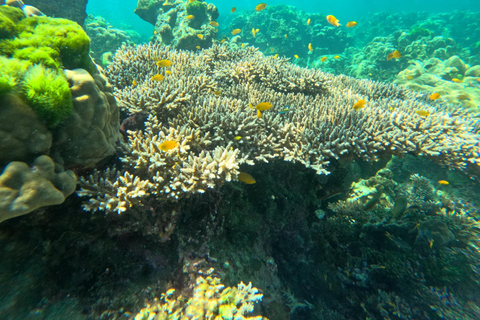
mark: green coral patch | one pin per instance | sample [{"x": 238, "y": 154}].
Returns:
[
  {"x": 9, "y": 17},
  {"x": 12, "y": 73},
  {"x": 48, "y": 93},
  {"x": 65, "y": 37}
]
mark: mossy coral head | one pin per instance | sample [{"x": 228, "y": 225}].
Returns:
[{"x": 9, "y": 17}]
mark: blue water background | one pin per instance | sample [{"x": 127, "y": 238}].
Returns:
[{"x": 120, "y": 13}]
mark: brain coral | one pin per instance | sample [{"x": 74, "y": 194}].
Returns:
[{"x": 205, "y": 105}]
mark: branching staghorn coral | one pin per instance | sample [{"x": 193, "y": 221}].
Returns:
[
  {"x": 210, "y": 300},
  {"x": 205, "y": 104}
]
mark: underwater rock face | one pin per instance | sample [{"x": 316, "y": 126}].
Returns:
[{"x": 74, "y": 10}]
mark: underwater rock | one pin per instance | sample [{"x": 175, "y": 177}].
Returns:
[
  {"x": 104, "y": 39},
  {"x": 75, "y": 10},
  {"x": 148, "y": 9}
]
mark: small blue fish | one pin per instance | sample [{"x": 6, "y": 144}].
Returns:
[{"x": 284, "y": 110}]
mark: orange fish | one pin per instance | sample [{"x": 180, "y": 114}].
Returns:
[
  {"x": 394, "y": 55},
  {"x": 236, "y": 31},
  {"x": 351, "y": 24},
  {"x": 233, "y": 9},
  {"x": 214, "y": 23},
  {"x": 308, "y": 22},
  {"x": 246, "y": 178},
  {"x": 333, "y": 21},
  {"x": 310, "y": 47},
  {"x": 456, "y": 80},
  {"x": 443, "y": 182},
  {"x": 434, "y": 96},
  {"x": 168, "y": 145},
  {"x": 336, "y": 57},
  {"x": 323, "y": 59},
  {"x": 260, "y": 6},
  {"x": 359, "y": 104},
  {"x": 157, "y": 77}
]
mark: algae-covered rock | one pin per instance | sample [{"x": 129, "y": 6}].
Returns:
[
  {"x": 148, "y": 9},
  {"x": 24, "y": 189},
  {"x": 74, "y": 10}
]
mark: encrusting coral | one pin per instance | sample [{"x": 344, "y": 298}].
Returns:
[
  {"x": 24, "y": 189},
  {"x": 203, "y": 106}
]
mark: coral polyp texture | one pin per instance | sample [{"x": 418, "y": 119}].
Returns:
[
  {"x": 206, "y": 105},
  {"x": 210, "y": 300}
]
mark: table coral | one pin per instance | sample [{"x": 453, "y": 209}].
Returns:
[
  {"x": 24, "y": 189},
  {"x": 321, "y": 125}
]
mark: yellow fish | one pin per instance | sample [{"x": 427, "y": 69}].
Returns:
[
  {"x": 323, "y": 59},
  {"x": 168, "y": 145},
  {"x": 200, "y": 36},
  {"x": 434, "y": 96},
  {"x": 262, "y": 106},
  {"x": 243, "y": 45},
  {"x": 308, "y": 22},
  {"x": 246, "y": 178},
  {"x": 223, "y": 40},
  {"x": 422, "y": 113},
  {"x": 286, "y": 36},
  {"x": 217, "y": 92},
  {"x": 394, "y": 55},
  {"x": 336, "y": 57},
  {"x": 275, "y": 56},
  {"x": 198, "y": 47},
  {"x": 456, "y": 80},
  {"x": 409, "y": 77},
  {"x": 310, "y": 47},
  {"x": 333, "y": 21},
  {"x": 253, "y": 32},
  {"x": 443, "y": 182},
  {"x": 157, "y": 77},
  {"x": 134, "y": 83},
  {"x": 164, "y": 63},
  {"x": 236, "y": 31},
  {"x": 360, "y": 104},
  {"x": 214, "y": 23},
  {"x": 168, "y": 72},
  {"x": 190, "y": 17},
  {"x": 351, "y": 24},
  {"x": 260, "y": 6},
  {"x": 237, "y": 138},
  {"x": 259, "y": 114},
  {"x": 296, "y": 56}
]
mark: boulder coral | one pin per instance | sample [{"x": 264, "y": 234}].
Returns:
[{"x": 24, "y": 189}]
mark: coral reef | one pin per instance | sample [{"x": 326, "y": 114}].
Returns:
[
  {"x": 435, "y": 75},
  {"x": 321, "y": 125},
  {"x": 210, "y": 300},
  {"x": 68, "y": 106},
  {"x": 283, "y": 30},
  {"x": 172, "y": 27},
  {"x": 104, "y": 39},
  {"x": 75, "y": 10},
  {"x": 371, "y": 62},
  {"x": 24, "y": 189}
]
